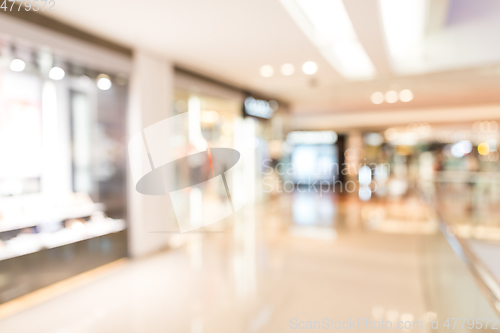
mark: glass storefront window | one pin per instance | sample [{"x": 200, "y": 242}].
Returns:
[{"x": 62, "y": 160}]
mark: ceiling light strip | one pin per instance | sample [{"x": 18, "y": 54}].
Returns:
[{"x": 328, "y": 26}]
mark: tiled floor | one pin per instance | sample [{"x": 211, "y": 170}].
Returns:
[{"x": 298, "y": 257}]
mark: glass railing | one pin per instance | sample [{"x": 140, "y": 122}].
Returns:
[{"x": 461, "y": 264}]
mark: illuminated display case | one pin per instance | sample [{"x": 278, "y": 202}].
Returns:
[{"x": 62, "y": 169}]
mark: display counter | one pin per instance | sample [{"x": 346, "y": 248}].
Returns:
[{"x": 45, "y": 240}]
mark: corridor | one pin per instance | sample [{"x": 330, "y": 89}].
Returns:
[{"x": 266, "y": 270}]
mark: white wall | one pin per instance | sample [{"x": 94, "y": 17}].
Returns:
[
  {"x": 386, "y": 118},
  {"x": 150, "y": 100}
]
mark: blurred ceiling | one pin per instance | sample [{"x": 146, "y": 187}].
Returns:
[{"x": 448, "y": 52}]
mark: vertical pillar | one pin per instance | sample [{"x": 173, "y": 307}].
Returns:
[{"x": 151, "y": 90}]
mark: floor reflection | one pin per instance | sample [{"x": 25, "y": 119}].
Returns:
[
  {"x": 304, "y": 256},
  {"x": 470, "y": 207},
  {"x": 314, "y": 216},
  {"x": 314, "y": 209}
]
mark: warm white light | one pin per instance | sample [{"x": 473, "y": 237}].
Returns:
[
  {"x": 209, "y": 116},
  {"x": 353, "y": 62},
  {"x": 391, "y": 96},
  {"x": 266, "y": 71},
  {"x": 309, "y": 67},
  {"x": 103, "y": 82},
  {"x": 78, "y": 226},
  {"x": 404, "y": 26},
  {"x": 56, "y": 73},
  {"x": 391, "y": 134},
  {"x": 327, "y": 24},
  {"x": 17, "y": 65},
  {"x": 377, "y": 97},
  {"x": 406, "y": 95},
  {"x": 482, "y": 148},
  {"x": 287, "y": 69},
  {"x": 214, "y": 115}
]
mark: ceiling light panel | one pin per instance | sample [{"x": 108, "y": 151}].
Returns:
[
  {"x": 328, "y": 26},
  {"x": 404, "y": 23}
]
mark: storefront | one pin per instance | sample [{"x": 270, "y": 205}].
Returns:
[
  {"x": 232, "y": 118},
  {"x": 67, "y": 109},
  {"x": 269, "y": 124},
  {"x": 62, "y": 170}
]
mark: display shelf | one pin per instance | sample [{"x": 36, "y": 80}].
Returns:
[
  {"x": 32, "y": 220},
  {"x": 83, "y": 219},
  {"x": 31, "y": 243}
]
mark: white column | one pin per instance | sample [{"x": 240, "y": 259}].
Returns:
[{"x": 151, "y": 90}]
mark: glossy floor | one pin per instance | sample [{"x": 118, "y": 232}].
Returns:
[{"x": 276, "y": 266}]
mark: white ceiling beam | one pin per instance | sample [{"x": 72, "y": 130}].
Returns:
[
  {"x": 386, "y": 118},
  {"x": 366, "y": 20}
]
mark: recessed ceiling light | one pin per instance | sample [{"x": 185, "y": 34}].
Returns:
[
  {"x": 391, "y": 96},
  {"x": 309, "y": 67},
  {"x": 287, "y": 69},
  {"x": 406, "y": 95},
  {"x": 266, "y": 71},
  {"x": 56, "y": 73},
  {"x": 377, "y": 97},
  {"x": 103, "y": 82},
  {"x": 17, "y": 65}
]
